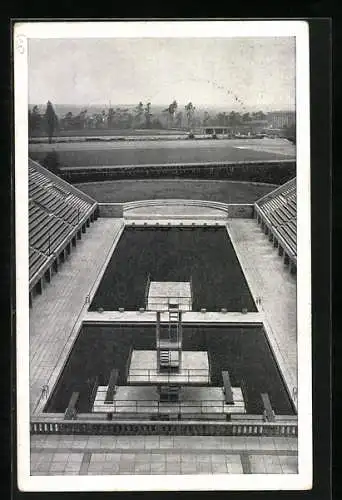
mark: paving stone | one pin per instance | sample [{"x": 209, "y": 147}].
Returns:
[
  {"x": 143, "y": 468},
  {"x": 219, "y": 468},
  {"x": 188, "y": 469},
  {"x": 158, "y": 467},
  {"x": 57, "y": 466}
]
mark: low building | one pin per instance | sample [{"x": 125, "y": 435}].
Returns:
[{"x": 281, "y": 119}]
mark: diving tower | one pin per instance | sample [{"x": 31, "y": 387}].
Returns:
[{"x": 168, "y": 379}]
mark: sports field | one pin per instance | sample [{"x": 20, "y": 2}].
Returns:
[
  {"x": 218, "y": 190},
  {"x": 163, "y": 151}
]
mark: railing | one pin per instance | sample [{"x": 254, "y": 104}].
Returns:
[
  {"x": 191, "y": 291},
  {"x": 94, "y": 390},
  {"x": 173, "y": 428},
  {"x": 170, "y": 202},
  {"x": 147, "y": 289},
  {"x": 147, "y": 406},
  {"x": 151, "y": 375},
  {"x": 165, "y": 302}
]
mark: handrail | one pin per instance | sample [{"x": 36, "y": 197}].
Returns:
[
  {"x": 135, "y": 406},
  {"x": 94, "y": 390},
  {"x": 189, "y": 427},
  {"x": 129, "y": 205},
  {"x": 147, "y": 288},
  {"x": 153, "y": 375}
]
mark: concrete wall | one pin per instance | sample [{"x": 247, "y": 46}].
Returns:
[
  {"x": 175, "y": 209},
  {"x": 243, "y": 211},
  {"x": 111, "y": 210},
  {"x": 267, "y": 171}
]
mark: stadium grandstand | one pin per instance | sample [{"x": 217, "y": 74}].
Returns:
[
  {"x": 203, "y": 382},
  {"x": 58, "y": 215},
  {"x": 277, "y": 214}
]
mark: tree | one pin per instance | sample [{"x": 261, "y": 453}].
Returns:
[
  {"x": 34, "y": 120},
  {"x": 148, "y": 115},
  {"x": 139, "y": 111},
  {"x": 259, "y": 115},
  {"x": 222, "y": 119},
  {"x": 290, "y": 133},
  {"x": 190, "y": 109},
  {"x": 206, "y": 118},
  {"x": 179, "y": 119},
  {"x": 98, "y": 120},
  {"x": 82, "y": 118},
  {"x": 51, "y": 162},
  {"x": 110, "y": 118},
  {"x": 51, "y": 120},
  {"x": 234, "y": 118},
  {"x": 171, "y": 109}
]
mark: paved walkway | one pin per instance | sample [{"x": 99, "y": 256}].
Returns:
[
  {"x": 270, "y": 280},
  {"x": 108, "y": 455},
  {"x": 187, "y": 317},
  {"x": 56, "y": 315}
]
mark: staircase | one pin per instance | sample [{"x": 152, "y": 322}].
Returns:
[
  {"x": 165, "y": 359},
  {"x": 174, "y": 321},
  {"x": 169, "y": 345},
  {"x": 169, "y": 393}
]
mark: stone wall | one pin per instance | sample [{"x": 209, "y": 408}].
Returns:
[
  {"x": 271, "y": 172},
  {"x": 175, "y": 209}
]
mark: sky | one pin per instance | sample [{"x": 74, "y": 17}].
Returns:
[{"x": 233, "y": 73}]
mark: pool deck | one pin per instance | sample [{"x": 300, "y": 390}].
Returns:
[
  {"x": 271, "y": 281},
  {"x": 188, "y": 317},
  {"x": 57, "y": 314},
  {"x": 158, "y": 455},
  {"x": 185, "y": 220}
]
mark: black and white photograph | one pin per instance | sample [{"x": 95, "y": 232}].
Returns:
[{"x": 162, "y": 206}]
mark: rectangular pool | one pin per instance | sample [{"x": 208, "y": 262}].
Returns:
[
  {"x": 243, "y": 351},
  {"x": 205, "y": 255}
]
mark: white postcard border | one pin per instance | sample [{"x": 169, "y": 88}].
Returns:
[{"x": 164, "y": 29}]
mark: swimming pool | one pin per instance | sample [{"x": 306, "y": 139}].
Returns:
[
  {"x": 203, "y": 254},
  {"x": 243, "y": 351}
]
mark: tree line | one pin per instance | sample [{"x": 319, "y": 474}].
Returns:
[{"x": 141, "y": 116}]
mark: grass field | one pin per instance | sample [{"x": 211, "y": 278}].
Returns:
[
  {"x": 163, "y": 151},
  {"x": 129, "y": 190}
]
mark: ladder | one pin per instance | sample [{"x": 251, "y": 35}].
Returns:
[
  {"x": 169, "y": 345},
  {"x": 174, "y": 321},
  {"x": 164, "y": 359}
]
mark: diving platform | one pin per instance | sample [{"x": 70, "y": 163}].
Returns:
[
  {"x": 165, "y": 295},
  {"x": 144, "y": 369},
  {"x": 193, "y": 401}
]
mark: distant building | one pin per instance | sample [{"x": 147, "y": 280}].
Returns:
[
  {"x": 248, "y": 128},
  {"x": 281, "y": 119}
]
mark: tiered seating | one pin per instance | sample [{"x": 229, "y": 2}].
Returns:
[
  {"x": 279, "y": 208},
  {"x": 56, "y": 212},
  {"x": 47, "y": 231},
  {"x": 37, "y": 259},
  {"x": 56, "y": 199}
]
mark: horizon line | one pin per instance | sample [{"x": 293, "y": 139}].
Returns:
[{"x": 161, "y": 105}]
